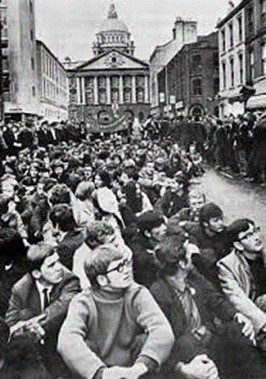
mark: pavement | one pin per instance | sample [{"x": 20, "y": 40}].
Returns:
[{"x": 236, "y": 197}]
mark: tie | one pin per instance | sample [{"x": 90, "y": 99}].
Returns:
[{"x": 46, "y": 297}]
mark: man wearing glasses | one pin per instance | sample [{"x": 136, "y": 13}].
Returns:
[
  {"x": 98, "y": 339},
  {"x": 242, "y": 275}
]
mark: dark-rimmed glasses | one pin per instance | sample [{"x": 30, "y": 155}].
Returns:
[{"x": 121, "y": 266}]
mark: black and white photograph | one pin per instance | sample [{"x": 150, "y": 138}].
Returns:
[{"x": 132, "y": 189}]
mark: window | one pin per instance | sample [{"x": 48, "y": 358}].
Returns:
[
  {"x": 32, "y": 64},
  {"x": 251, "y": 64},
  {"x": 140, "y": 95},
  {"x": 232, "y": 72},
  {"x": 115, "y": 81},
  {"x": 89, "y": 96},
  {"x": 215, "y": 85},
  {"x": 250, "y": 20},
  {"x": 223, "y": 39},
  {"x": 114, "y": 95},
  {"x": 263, "y": 58},
  {"x": 102, "y": 96},
  {"x": 102, "y": 81},
  {"x": 127, "y": 95},
  {"x": 231, "y": 35},
  {"x": 263, "y": 12},
  {"x": 224, "y": 74},
  {"x": 240, "y": 58},
  {"x": 196, "y": 87},
  {"x": 240, "y": 29},
  {"x": 33, "y": 91},
  {"x": 215, "y": 59},
  {"x": 196, "y": 62}
]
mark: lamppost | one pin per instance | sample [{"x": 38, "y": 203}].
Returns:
[{"x": 1, "y": 74}]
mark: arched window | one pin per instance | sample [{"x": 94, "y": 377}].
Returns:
[{"x": 196, "y": 62}]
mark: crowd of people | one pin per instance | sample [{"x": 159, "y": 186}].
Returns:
[{"x": 114, "y": 264}]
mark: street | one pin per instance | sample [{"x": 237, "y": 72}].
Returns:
[{"x": 237, "y": 198}]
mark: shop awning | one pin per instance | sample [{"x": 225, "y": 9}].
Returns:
[{"x": 257, "y": 102}]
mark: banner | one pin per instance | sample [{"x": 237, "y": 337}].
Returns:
[{"x": 114, "y": 126}]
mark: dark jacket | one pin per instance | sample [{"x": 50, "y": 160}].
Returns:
[
  {"x": 25, "y": 301},
  {"x": 210, "y": 303}
]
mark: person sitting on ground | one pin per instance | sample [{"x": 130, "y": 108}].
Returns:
[
  {"x": 210, "y": 236},
  {"x": 97, "y": 233},
  {"x": 66, "y": 233},
  {"x": 12, "y": 264},
  {"x": 40, "y": 299},
  {"x": 196, "y": 200},
  {"x": 203, "y": 321},
  {"x": 150, "y": 230},
  {"x": 103, "y": 323},
  {"x": 242, "y": 274},
  {"x": 19, "y": 357},
  {"x": 9, "y": 217}
]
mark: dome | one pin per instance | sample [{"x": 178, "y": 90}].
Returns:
[{"x": 112, "y": 23}]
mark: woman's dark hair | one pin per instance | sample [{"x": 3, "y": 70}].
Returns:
[
  {"x": 62, "y": 215},
  {"x": 105, "y": 178},
  {"x": 4, "y": 200},
  {"x": 170, "y": 252}
]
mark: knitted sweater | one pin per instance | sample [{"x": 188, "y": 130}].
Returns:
[{"x": 99, "y": 332}]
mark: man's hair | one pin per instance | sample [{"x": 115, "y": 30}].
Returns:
[
  {"x": 37, "y": 254},
  {"x": 170, "y": 252},
  {"x": 149, "y": 220},
  {"x": 84, "y": 190},
  {"x": 60, "y": 194},
  {"x": 62, "y": 215},
  {"x": 236, "y": 227},
  {"x": 96, "y": 233},
  {"x": 209, "y": 211},
  {"x": 10, "y": 244},
  {"x": 99, "y": 262}
]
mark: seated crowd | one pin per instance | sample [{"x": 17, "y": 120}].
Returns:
[{"x": 113, "y": 264}]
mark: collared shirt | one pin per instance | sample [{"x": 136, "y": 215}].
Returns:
[
  {"x": 185, "y": 294},
  {"x": 40, "y": 288}
]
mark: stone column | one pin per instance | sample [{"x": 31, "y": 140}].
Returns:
[
  {"x": 121, "y": 90},
  {"x": 133, "y": 89},
  {"x": 83, "y": 90},
  {"x": 108, "y": 87},
  {"x": 78, "y": 90},
  {"x": 146, "y": 96},
  {"x": 96, "y": 100}
]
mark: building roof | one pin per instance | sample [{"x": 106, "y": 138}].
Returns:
[
  {"x": 112, "y": 23},
  {"x": 84, "y": 64},
  {"x": 231, "y": 14},
  {"x": 41, "y": 43}
]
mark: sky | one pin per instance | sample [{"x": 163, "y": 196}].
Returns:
[{"x": 68, "y": 27}]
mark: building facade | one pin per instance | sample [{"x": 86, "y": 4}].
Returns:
[
  {"x": 112, "y": 83},
  {"x": 52, "y": 85},
  {"x": 19, "y": 63},
  {"x": 189, "y": 83},
  {"x": 232, "y": 61},
  {"x": 255, "y": 16},
  {"x": 183, "y": 32}
]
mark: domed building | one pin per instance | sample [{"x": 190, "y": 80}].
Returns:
[
  {"x": 113, "y": 34},
  {"x": 114, "y": 83}
]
